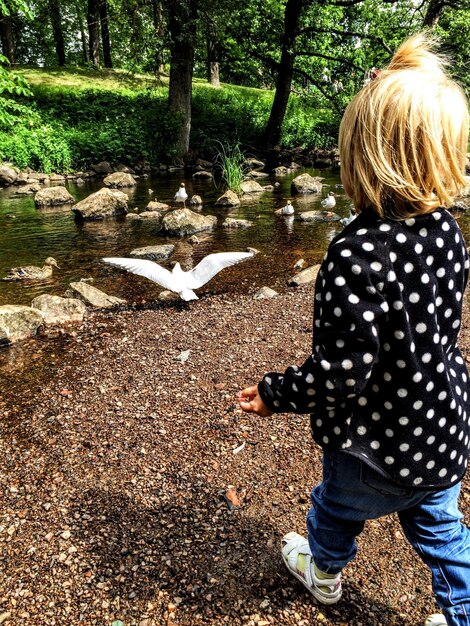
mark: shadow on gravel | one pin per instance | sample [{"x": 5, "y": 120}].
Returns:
[{"x": 208, "y": 561}]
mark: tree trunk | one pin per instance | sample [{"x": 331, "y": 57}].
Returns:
[
  {"x": 82, "y": 32},
  {"x": 272, "y": 134},
  {"x": 181, "y": 24},
  {"x": 433, "y": 13},
  {"x": 105, "y": 34},
  {"x": 6, "y": 36},
  {"x": 159, "y": 32},
  {"x": 213, "y": 76},
  {"x": 56, "y": 22},
  {"x": 94, "y": 31}
]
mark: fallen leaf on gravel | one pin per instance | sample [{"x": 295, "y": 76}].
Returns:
[
  {"x": 66, "y": 393},
  {"x": 4, "y": 616},
  {"x": 232, "y": 499}
]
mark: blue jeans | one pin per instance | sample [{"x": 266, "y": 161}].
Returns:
[{"x": 352, "y": 492}]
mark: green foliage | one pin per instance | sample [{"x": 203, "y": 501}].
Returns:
[
  {"x": 228, "y": 114},
  {"x": 12, "y": 84},
  {"x": 230, "y": 160},
  {"x": 306, "y": 127},
  {"x": 43, "y": 148}
]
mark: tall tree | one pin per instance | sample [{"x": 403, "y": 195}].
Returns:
[
  {"x": 182, "y": 26},
  {"x": 93, "y": 22},
  {"x": 285, "y": 72},
  {"x": 103, "y": 10},
  {"x": 56, "y": 21},
  {"x": 81, "y": 26}
]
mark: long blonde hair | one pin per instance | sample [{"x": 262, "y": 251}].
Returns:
[{"x": 403, "y": 138}]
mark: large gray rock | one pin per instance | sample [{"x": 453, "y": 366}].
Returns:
[
  {"x": 53, "y": 196},
  {"x": 304, "y": 277},
  {"x": 119, "y": 179},
  {"x": 251, "y": 186},
  {"x": 103, "y": 167},
  {"x": 92, "y": 296},
  {"x": 153, "y": 205},
  {"x": 265, "y": 293},
  {"x": 187, "y": 222},
  {"x": 319, "y": 216},
  {"x": 153, "y": 253},
  {"x": 18, "y": 322},
  {"x": 103, "y": 203},
  {"x": 7, "y": 175},
  {"x": 231, "y": 222},
  {"x": 306, "y": 184},
  {"x": 229, "y": 199},
  {"x": 202, "y": 175},
  {"x": 253, "y": 163},
  {"x": 28, "y": 190},
  {"x": 57, "y": 310}
]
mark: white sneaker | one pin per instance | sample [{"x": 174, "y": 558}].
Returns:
[
  {"x": 436, "y": 619},
  {"x": 326, "y": 588}
]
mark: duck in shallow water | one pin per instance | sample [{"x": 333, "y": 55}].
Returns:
[{"x": 31, "y": 272}]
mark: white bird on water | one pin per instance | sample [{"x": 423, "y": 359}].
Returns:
[
  {"x": 181, "y": 195},
  {"x": 181, "y": 282},
  {"x": 329, "y": 202},
  {"x": 288, "y": 209},
  {"x": 347, "y": 220}
]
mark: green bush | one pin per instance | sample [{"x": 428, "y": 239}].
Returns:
[
  {"x": 43, "y": 148},
  {"x": 69, "y": 127}
]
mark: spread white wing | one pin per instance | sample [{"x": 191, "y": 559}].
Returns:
[
  {"x": 146, "y": 268},
  {"x": 211, "y": 265}
]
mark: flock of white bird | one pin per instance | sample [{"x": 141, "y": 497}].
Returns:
[{"x": 177, "y": 280}]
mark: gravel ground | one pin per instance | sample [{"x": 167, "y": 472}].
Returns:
[{"x": 116, "y": 458}]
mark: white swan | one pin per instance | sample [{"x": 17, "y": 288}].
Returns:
[
  {"x": 177, "y": 280},
  {"x": 329, "y": 202}
]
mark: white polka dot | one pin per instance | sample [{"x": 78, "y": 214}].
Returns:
[
  {"x": 409, "y": 267},
  {"x": 347, "y": 364},
  {"x": 368, "y": 316},
  {"x": 421, "y": 327},
  {"x": 356, "y": 269},
  {"x": 401, "y": 238},
  {"x": 367, "y": 246},
  {"x": 389, "y": 460},
  {"x": 404, "y": 472},
  {"x": 375, "y": 445},
  {"x": 353, "y": 298},
  {"x": 414, "y": 297},
  {"x": 345, "y": 252},
  {"x": 361, "y": 430}
]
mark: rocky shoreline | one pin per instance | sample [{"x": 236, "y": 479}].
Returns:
[{"x": 135, "y": 492}]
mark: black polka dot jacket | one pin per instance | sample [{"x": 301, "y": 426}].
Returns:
[{"x": 386, "y": 381}]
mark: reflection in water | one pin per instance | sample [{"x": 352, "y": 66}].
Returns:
[
  {"x": 28, "y": 236},
  {"x": 289, "y": 221}
]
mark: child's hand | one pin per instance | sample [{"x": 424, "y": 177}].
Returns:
[{"x": 250, "y": 402}]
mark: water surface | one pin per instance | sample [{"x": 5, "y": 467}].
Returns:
[{"x": 28, "y": 236}]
